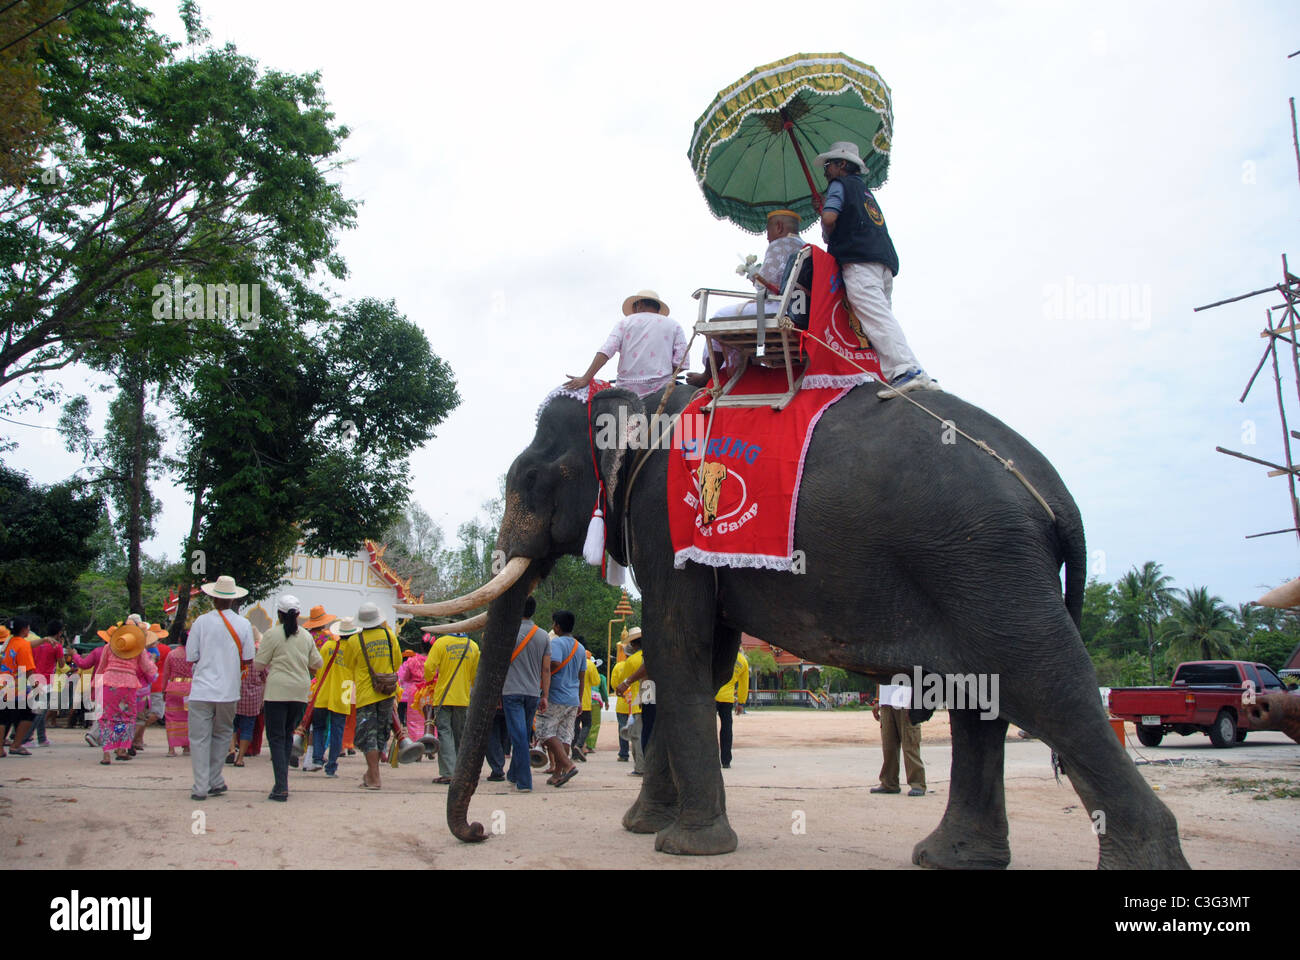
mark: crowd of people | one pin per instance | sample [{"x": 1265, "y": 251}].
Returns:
[
  {"x": 341, "y": 686},
  {"x": 327, "y": 687}
]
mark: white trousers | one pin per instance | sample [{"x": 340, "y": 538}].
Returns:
[{"x": 869, "y": 287}]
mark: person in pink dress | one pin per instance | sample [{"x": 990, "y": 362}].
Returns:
[
  {"x": 176, "y": 677},
  {"x": 120, "y": 672},
  {"x": 410, "y": 677}
]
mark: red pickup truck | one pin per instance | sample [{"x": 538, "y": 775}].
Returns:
[{"x": 1206, "y": 695}]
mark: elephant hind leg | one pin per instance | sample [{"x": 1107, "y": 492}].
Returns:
[
  {"x": 1134, "y": 829},
  {"x": 973, "y": 831}
]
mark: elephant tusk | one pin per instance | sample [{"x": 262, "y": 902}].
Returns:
[
  {"x": 460, "y": 626},
  {"x": 485, "y": 594}
]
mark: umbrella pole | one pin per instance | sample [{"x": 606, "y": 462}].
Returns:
[{"x": 798, "y": 152}]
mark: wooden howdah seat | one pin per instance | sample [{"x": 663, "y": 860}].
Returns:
[{"x": 761, "y": 340}]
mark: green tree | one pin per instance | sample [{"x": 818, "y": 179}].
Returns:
[
  {"x": 171, "y": 167},
  {"x": 127, "y": 460},
  {"x": 23, "y": 125},
  {"x": 1146, "y": 595},
  {"x": 277, "y": 449},
  {"x": 45, "y": 543},
  {"x": 834, "y": 679},
  {"x": 1199, "y": 627}
]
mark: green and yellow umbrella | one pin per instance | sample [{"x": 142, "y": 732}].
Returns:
[{"x": 752, "y": 146}]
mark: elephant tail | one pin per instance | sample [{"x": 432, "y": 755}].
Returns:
[{"x": 1069, "y": 531}]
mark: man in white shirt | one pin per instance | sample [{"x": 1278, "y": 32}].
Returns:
[
  {"x": 219, "y": 643},
  {"x": 649, "y": 343}
]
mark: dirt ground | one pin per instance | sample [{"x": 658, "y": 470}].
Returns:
[{"x": 796, "y": 795}]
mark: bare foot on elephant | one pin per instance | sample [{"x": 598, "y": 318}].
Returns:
[{"x": 709, "y": 840}]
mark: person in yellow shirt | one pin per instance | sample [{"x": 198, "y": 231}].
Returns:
[
  {"x": 452, "y": 663},
  {"x": 332, "y": 707},
  {"x": 621, "y": 709},
  {"x": 633, "y": 693},
  {"x": 590, "y": 677},
  {"x": 731, "y": 699},
  {"x": 371, "y": 646}
]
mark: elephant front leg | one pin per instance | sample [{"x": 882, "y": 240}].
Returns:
[
  {"x": 973, "y": 832},
  {"x": 701, "y": 827},
  {"x": 656, "y": 806}
]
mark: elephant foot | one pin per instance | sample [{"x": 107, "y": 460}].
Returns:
[
  {"x": 950, "y": 849},
  {"x": 1164, "y": 853},
  {"x": 708, "y": 840},
  {"x": 648, "y": 816}
]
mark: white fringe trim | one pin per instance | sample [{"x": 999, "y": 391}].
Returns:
[
  {"x": 579, "y": 395},
  {"x": 615, "y": 572},
  {"x": 823, "y": 380},
  {"x": 750, "y": 561}
]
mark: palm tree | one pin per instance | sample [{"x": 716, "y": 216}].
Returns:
[
  {"x": 1200, "y": 626},
  {"x": 1147, "y": 594}
]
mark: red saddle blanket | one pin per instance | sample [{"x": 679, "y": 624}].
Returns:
[{"x": 733, "y": 483}]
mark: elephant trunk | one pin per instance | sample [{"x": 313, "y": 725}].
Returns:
[{"x": 503, "y": 619}]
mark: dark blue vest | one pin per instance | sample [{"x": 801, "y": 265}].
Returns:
[{"x": 860, "y": 234}]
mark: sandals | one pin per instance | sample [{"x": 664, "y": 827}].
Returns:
[
  {"x": 566, "y": 777},
  {"x": 238, "y": 763},
  {"x": 442, "y": 780},
  {"x": 106, "y": 763},
  {"x": 19, "y": 751},
  {"x": 369, "y": 786}
]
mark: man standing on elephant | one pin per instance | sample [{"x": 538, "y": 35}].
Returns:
[
  {"x": 649, "y": 343},
  {"x": 555, "y": 723},
  {"x": 856, "y": 236},
  {"x": 897, "y": 730}
]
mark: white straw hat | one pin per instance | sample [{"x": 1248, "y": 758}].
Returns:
[
  {"x": 842, "y": 150},
  {"x": 644, "y": 295},
  {"x": 224, "y": 589},
  {"x": 369, "y": 615},
  {"x": 345, "y": 627}
]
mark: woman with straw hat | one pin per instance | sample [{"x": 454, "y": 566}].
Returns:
[{"x": 120, "y": 671}]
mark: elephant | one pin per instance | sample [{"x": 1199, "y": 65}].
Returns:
[{"x": 917, "y": 553}]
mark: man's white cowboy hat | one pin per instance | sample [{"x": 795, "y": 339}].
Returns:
[
  {"x": 224, "y": 589},
  {"x": 345, "y": 627},
  {"x": 369, "y": 615},
  {"x": 644, "y": 295},
  {"x": 288, "y": 603},
  {"x": 634, "y": 633},
  {"x": 842, "y": 150}
]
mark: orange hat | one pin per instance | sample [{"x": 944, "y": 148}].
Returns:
[
  {"x": 318, "y": 618},
  {"x": 127, "y": 641},
  {"x": 407, "y": 653}
]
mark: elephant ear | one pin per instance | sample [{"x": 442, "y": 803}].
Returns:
[{"x": 618, "y": 425}]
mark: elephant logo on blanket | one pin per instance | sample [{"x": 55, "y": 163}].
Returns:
[
  {"x": 855, "y": 326},
  {"x": 711, "y": 476}
]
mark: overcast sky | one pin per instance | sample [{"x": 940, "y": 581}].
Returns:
[{"x": 1067, "y": 183}]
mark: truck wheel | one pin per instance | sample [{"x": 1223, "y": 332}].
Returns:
[
  {"x": 1223, "y": 733},
  {"x": 1241, "y": 736},
  {"x": 1150, "y": 736}
]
